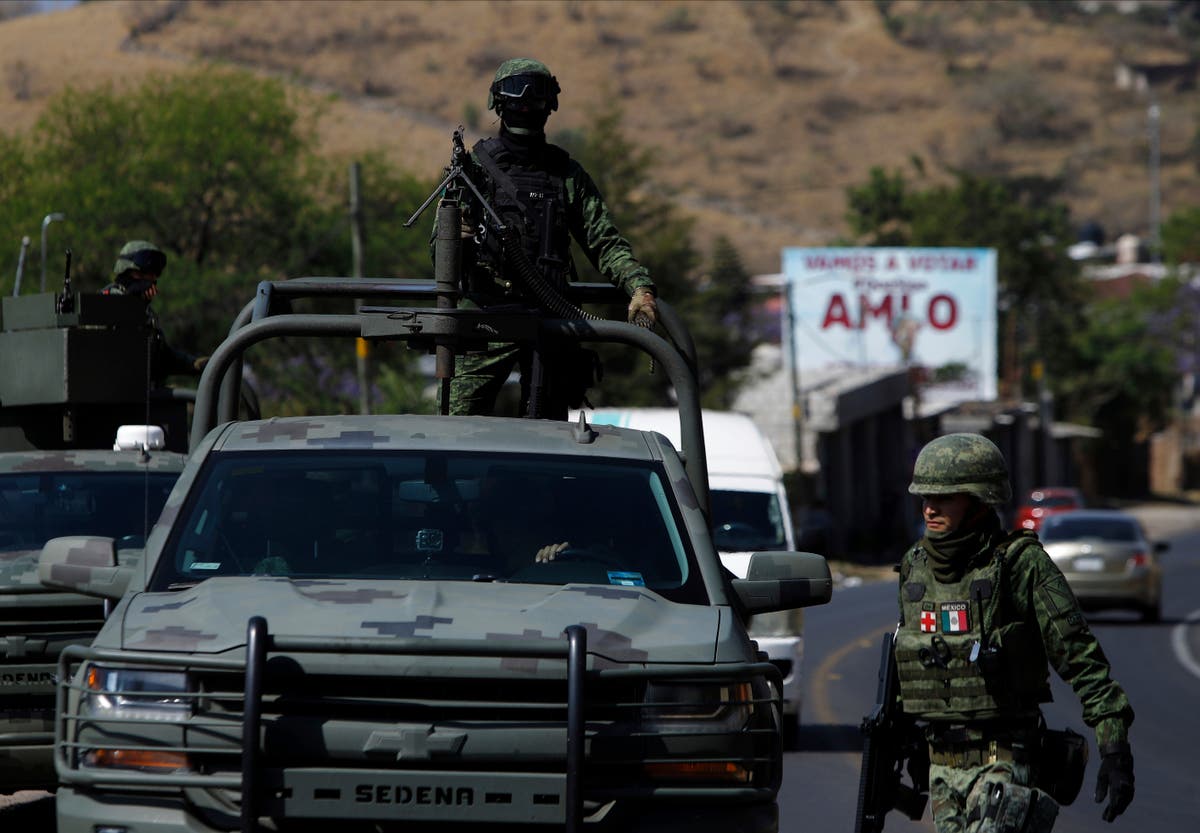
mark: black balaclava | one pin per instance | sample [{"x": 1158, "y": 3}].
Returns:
[
  {"x": 526, "y": 143},
  {"x": 526, "y": 120}
]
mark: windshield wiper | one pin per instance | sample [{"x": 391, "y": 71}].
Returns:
[{"x": 182, "y": 585}]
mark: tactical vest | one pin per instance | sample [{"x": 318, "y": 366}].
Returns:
[
  {"x": 959, "y": 650},
  {"x": 532, "y": 200}
]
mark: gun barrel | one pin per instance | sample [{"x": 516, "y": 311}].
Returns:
[{"x": 885, "y": 728}]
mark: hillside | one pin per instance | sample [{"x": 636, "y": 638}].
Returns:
[{"x": 762, "y": 113}]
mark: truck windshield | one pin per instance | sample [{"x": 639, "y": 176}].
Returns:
[
  {"x": 36, "y": 507},
  {"x": 424, "y": 515},
  {"x": 746, "y": 521}
]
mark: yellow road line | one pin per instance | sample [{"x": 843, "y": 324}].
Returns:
[{"x": 825, "y": 672}]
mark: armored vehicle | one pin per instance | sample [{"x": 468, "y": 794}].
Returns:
[
  {"x": 74, "y": 368},
  {"x": 430, "y": 621},
  {"x": 72, "y": 371}
]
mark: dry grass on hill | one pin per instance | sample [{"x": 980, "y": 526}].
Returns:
[{"x": 762, "y": 113}]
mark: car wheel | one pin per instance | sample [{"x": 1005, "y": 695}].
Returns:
[{"x": 1152, "y": 612}]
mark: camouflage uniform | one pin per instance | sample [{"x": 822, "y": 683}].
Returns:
[
  {"x": 165, "y": 360},
  {"x": 978, "y": 632},
  {"x": 575, "y": 209}
]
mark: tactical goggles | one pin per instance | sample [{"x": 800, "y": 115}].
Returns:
[
  {"x": 520, "y": 86},
  {"x": 148, "y": 260}
]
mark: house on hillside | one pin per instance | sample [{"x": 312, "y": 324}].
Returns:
[{"x": 1174, "y": 75}]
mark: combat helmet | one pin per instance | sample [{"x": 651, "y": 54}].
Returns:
[
  {"x": 962, "y": 464},
  {"x": 141, "y": 255},
  {"x": 520, "y": 78}
]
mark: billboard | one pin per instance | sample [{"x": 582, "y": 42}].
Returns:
[{"x": 932, "y": 310}]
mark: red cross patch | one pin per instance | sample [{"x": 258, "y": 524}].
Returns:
[{"x": 928, "y": 621}]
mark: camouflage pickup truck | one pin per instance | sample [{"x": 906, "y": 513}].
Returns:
[
  {"x": 43, "y": 495},
  {"x": 399, "y": 621},
  {"x": 68, "y": 380}
]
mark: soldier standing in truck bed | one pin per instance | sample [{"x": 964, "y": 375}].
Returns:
[{"x": 538, "y": 189}]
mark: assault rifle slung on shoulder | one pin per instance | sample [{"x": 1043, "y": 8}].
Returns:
[{"x": 891, "y": 739}]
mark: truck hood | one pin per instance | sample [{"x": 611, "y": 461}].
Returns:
[
  {"x": 19, "y": 569},
  {"x": 624, "y": 624}
]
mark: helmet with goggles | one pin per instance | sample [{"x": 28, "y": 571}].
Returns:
[
  {"x": 141, "y": 255},
  {"x": 524, "y": 81}
]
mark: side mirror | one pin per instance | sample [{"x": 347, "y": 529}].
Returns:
[
  {"x": 784, "y": 581},
  {"x": 1161, "y": 546},
  {"x": 83, "y": 564}
]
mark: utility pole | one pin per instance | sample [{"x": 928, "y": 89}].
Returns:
[
  {"x": 21, "y": 265},
  {"x": 1152, "y": 118},
  {"x": 361, "y": 348},
  {"x": 797, "y": 396},
  {"x": 47, "y": 220}
]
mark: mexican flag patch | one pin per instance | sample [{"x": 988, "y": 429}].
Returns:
[{"x": 955, "y": 617}]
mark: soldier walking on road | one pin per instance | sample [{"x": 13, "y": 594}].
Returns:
[
  {"x": 547, "y": 196},
  {"x": 983, "y": 614}
]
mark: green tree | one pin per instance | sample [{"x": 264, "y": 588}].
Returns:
[
  {"x": 212, "y": 165},
  {"x": 1111, "y": 363},
  {"x": 715, "y": 309},
  {"x": 879, "y": 212},
  {"x": 1040, "y": 289},
  {"x": 718, "y": 313},
  {"x": 1123, "y": 361},
  {"x": 219, "y": 168},
  {"x": 1181, "y": 236},
  {"x": 15, "y": 202}
]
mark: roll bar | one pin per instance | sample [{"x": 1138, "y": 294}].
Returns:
[{"x": 217, "y": 392}]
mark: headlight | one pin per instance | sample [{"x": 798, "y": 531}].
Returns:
[
  {"x": 140, "y": 693},
  {"x": 728, "y": 704},
  {"x": 136, "y": 705},
  {"x": 693, "y": 712}
]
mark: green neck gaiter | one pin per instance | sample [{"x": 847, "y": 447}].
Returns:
[{"x": 951, "y": 554}]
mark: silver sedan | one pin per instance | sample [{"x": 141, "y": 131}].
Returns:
[{"x": 1107, "y": 559}]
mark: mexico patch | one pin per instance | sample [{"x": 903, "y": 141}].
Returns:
[{"x": 956, "y": 617}]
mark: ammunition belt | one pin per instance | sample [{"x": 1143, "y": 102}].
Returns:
[
  {"x": 976, "y": 754},
  {"x": 972, "y": 746}
]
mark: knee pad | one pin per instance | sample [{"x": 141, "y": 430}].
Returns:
[{"x": 1011, "y": 808}]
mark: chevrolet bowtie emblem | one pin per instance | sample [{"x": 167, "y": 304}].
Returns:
[
  {"x": 16, "y": 647},
  {"x": 415, "y": 742}
]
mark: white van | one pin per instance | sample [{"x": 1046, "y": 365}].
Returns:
[{"x": 749, "y": 514}]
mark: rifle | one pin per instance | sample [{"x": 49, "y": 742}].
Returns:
[
  {"x": 65, "y": 302},
  {"x": 527, "y": 274},
  {"x": 456, "y": 177},
  {"x": 890, "y": 739}
]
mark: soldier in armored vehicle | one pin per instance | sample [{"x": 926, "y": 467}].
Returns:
[{"x": 139, "y": 267}]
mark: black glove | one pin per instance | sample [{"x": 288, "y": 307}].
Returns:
[{"x": 1115, "y": 779}]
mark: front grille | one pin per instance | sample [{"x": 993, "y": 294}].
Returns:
[
  {"x": 400, "y": 698},
  {"x": 52, "y": 620},
  {"x": 439, "y": 725}
]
